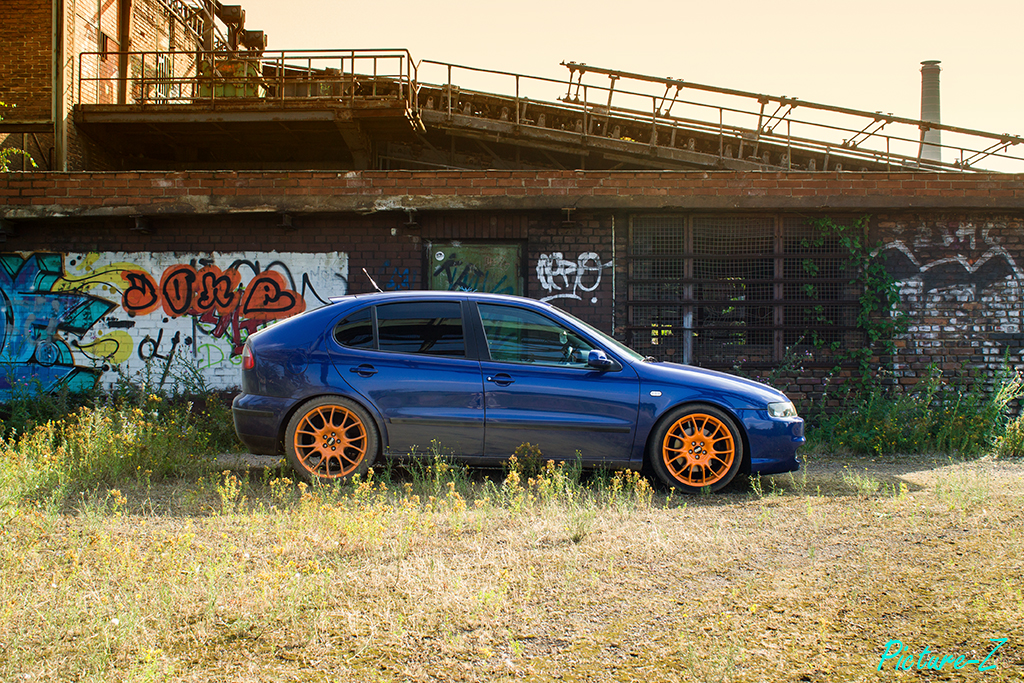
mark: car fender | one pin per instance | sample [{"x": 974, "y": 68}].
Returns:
[
  {"x": 322, "y": 378},
  {"x": 350, "y": 395},
  {"x": 642, "y": 445}
]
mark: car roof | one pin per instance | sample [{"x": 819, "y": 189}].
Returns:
[{"x": 420, "y": 294}]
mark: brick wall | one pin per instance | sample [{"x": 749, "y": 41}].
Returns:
[
  {"x": 375, "y": 191},
  {"x": 26, "y": 66},
  {"x": 961, "y": 281},
  {"x": 25, "y": 70},
  {"x": 955, "y": 243}
]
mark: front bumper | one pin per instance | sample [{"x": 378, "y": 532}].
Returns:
[{"x": 773, "y": 442}]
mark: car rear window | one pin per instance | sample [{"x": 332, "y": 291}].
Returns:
[{"x": 356, "y": 331}]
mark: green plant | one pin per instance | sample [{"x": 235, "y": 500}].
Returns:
[
  {"x": 529, "y": 459},
  {"x": 6, "y": 155},
  {"x": 101, "y": 445},
  {"x": 862, "y": 483},
  {"x": 29, "y": 405},
  {"x": 958, "y": 415},
  {"x": 1011, "y": 444},
  {"x": 432, "y": 473},
  {"x": 879, "y": 315}
]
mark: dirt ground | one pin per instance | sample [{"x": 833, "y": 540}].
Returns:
[{"x": 850, "y": 570}]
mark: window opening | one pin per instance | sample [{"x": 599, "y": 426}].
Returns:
[
  {"x": 429, "y": 328},
  {"x": 515, "y": 335}
]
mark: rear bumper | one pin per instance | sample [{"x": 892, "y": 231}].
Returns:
[{"x": 259, "y": 422}]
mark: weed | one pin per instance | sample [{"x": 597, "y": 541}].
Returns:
[
  {"x": 861, "y": 483},
  {"x": 229, "y": 491},
  {"x": 100, "y": 445},
  {"x": 756, "y": 486},
  {"x": 959, "y": 416},
  {"x": 377, "y": 581},
  {"x": 432, "y": 472},
  {"x": 1011, "y": 443},
  {"x": 962, "y": 488},
  {"x": 528, "y": 459}
]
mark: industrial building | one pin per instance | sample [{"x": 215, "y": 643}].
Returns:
[{"x": 190, "y": 186}]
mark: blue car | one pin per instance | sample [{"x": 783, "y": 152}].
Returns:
[{"x": 376, "y": 375}]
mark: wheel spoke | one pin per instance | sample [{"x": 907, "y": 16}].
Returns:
[
  {"x": 699, "y": 449},
  {"x": 330, "y": 441}
]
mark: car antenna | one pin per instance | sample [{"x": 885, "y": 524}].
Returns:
[{"x": 375, "y": 286}]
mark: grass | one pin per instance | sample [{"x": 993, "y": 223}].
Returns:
[
  {"x": 102, "y": 445},
  {"x": 127, "y": 553},
  {"x": 439, "y": 572}
]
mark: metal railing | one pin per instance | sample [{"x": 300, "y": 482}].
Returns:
[
  {"x": 667, "y": 111},
  {"x": 179, "y": 78},
  {"x": 768, "y": 131}
]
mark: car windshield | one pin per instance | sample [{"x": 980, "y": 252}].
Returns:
[{"x": 604, "y": 340}]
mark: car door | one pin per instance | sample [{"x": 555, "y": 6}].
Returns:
[
  {"x": 409, "y": 360},
  {"x": 538, "y": 388}
]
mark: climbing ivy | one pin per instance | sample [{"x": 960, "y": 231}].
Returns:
[{"x": 879, "y": 316}]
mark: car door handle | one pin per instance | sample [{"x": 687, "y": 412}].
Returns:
[
  {"x": 501, "y": 379},
  {"x": 364, "y": 370}
]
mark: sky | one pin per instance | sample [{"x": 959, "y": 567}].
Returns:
[{"x": 863, "y": 55}]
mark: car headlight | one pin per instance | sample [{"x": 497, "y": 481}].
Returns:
[{"x": 782, "y": 409}]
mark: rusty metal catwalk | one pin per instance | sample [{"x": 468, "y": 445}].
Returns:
[{"x": 380, "y": 109}]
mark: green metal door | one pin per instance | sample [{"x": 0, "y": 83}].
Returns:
[{"x": 487, "y": 267}]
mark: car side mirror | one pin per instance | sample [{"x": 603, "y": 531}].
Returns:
[{"x": 598, "y": 359}]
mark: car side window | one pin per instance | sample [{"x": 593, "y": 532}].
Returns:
[
  {"x": 432, "y": 328},
  {"x": 356, "y": 331},
  {"x": 517, "y": 335}
]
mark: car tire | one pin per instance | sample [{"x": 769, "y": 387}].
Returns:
[
  {"x": 696, "y": 448},
  {"x": 330, "y": 439}
]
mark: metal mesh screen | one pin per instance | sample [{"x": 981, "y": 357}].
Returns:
[
  {"x": 733, "y": 235},
  {"x": 656, "y": 291},
  {"x": 659, "y": 268},
  {"x": 732, "y": 289},
  {"x": 659, "y": 331},
  {"x": 658, "y": 235}
]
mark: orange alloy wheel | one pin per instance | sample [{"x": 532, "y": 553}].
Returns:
[
  {"x": 698, "y": 449},
  {"x": 330, "y": 441}
]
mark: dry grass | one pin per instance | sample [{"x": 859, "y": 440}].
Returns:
[{"x": 803, "y": 578}]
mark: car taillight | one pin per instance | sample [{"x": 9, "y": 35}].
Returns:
[{"x": 248, "y": 359}]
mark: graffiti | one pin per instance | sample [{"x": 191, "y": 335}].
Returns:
[
  {"x": 995, "y": 265},
  {"x": 566, "y": 279},
  {"x": 210, "y": 355},
  {"x": 68, "y": 318},
  {"x": 965, "y": 268},
  {"x": 36, "y": 317},
  {"x": 490, "y": 267},
  {"x": 960, "y": 286},
  {"x": 460, "y": 276},
  {"x": 185, "y": 291},
  {"x": 396, "y": 279},
  {"x": 149, "y": 348}
]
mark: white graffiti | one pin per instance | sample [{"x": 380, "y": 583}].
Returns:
[{"x": 565, "y": 279}]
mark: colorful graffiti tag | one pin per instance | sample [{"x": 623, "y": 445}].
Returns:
[
  {"x": 38, "y": 316},
  {"x": 69, "y": 319}
]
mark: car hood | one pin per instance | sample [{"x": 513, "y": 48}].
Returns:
[{"x": 740, "y": 392}]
